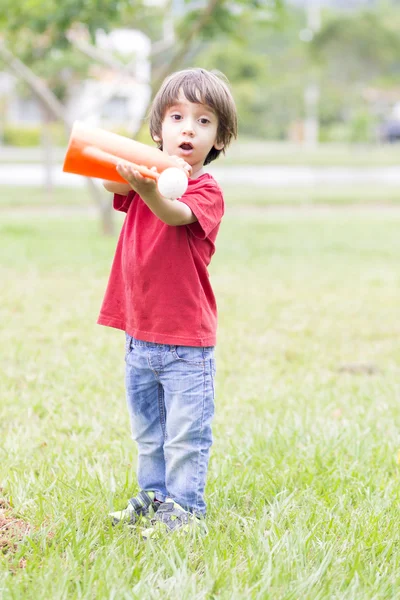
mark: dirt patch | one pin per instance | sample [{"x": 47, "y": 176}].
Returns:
[
  {"x": 359, "y": 369},
  {"x": 4, "y": 505},
  {"x": 12, "y": 531}
]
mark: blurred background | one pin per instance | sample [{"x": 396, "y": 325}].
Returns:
[{"x": 316, "y": 84}]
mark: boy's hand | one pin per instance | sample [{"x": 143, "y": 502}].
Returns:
[
  {"x": 142, "y": 185},
  {"x": 170, "y": 213},
  {"x": 182, "y": 164}
]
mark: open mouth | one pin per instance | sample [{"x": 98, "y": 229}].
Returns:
[{"x": 186, "y": 146}]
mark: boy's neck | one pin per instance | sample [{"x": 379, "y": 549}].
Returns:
[{"x": 197, "y": 173}]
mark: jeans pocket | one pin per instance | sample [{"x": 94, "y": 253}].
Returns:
[
  {"x": 194, "y": 355},
  {"x": 128, "y": 344}
]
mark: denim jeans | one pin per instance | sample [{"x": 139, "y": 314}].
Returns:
[{"x": 170, "y": 396}]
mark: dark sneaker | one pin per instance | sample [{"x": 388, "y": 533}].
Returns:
[
  {"x": 143, "y": 507},
  {"x": 171, "y": 517}
]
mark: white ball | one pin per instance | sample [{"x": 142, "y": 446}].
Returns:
[{"x": 172, "y": 183}]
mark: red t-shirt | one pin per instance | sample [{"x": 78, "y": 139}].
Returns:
[{"x": 159, "y": 288}]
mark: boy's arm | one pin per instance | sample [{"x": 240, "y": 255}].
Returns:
[
  {"x": 117, "y": 188},
  {"x": 170, "y": 212}
]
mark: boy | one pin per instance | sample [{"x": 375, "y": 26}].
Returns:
[{"x": 159, "y": 293}]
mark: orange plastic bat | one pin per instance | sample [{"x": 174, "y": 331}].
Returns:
[{"x": 95, "y": 152}]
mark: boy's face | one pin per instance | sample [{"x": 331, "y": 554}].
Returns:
[{"x": 189, "y": 130}]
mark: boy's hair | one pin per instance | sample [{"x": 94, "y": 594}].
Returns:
[{"x": 199, "y": 86}]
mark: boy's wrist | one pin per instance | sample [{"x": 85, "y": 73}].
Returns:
[
  {"x": 153, "y": 198},
  {"x": 157, "y": 203},
  {"x": 171, "y": 212}
]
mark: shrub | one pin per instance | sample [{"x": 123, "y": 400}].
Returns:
[{"x": 25, "y": 136}]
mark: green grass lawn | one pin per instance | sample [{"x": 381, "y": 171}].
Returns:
[
  {"x": 303, "y": 491},
  {"x": 260, "y": 152},
  {"x": 34, "y": 197},
  {"x": 25, "y": 197}
]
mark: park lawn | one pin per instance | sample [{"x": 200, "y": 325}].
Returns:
[
  {"x": 318, "y": 195},
  {"x": 235, "y": 195},
  {"x": 303, "y": 491},
  {"x": 37, "y": 197},
  {"x": 264, "y": 152}
]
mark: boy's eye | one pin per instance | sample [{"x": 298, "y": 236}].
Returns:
[
  {"x": 176, "y": 117},
  {"x": 204, "y": 121}
]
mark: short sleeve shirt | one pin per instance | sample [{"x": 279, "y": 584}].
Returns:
[{"x": 159, "y": 288}]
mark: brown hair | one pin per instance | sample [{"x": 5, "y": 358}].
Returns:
[{"x": 199, "y": 86}]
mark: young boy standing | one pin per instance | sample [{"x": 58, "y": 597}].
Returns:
[{"x": 160, "y": 294}]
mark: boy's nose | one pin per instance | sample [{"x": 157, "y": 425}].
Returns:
[{"x": 188, "y": 128}]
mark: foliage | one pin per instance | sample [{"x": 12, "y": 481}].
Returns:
[
  {"x": 48, "y": 20},
  {"x": 37, "y": 33},
  {"x": 247, "y": 73},
  {"x": 352, "y": 50},
  {"x": 356, "y": 47},
  {"x": 25, "y": 136},
  {"x": 39, "y": 37},
  {"x": 255, "y": 43},
  {"x": 229, "y": 17},
  {"x": 266, "y": 67}
]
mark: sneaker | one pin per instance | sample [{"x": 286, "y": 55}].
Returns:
[
  {"x": 170, "y": 517},
  {"x": 142, "y": 506}
]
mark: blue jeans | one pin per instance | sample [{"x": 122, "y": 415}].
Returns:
[{"x": 170, "y": 395}]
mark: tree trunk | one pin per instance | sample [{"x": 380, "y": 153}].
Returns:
[
  {"x": 104, "y": 206},
  {"x": 57, "y": 110},
  {"x": 48, "y": 149}
]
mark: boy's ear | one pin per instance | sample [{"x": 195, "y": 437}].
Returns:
[
  {"x": 219, "y": 146},
  {"x": 156, "y": 138}
]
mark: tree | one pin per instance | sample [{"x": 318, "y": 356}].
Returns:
[
  {"x": 352, "y": 51},
  {"x": 356, "y": 47},
  {"x": 265, "y": 62},
  {"x": 35, "y": 47},
  {"x": 34, "y": 31}
]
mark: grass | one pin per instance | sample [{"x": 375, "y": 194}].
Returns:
[
  {"x": 25, "y": 197},
  {"x": 303, "y": 489},
  {"x": 264, "y": 152},
  {"x": 318, "y": 195}
]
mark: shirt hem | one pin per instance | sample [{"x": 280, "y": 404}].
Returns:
[{"x": 158, "y": 338}]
